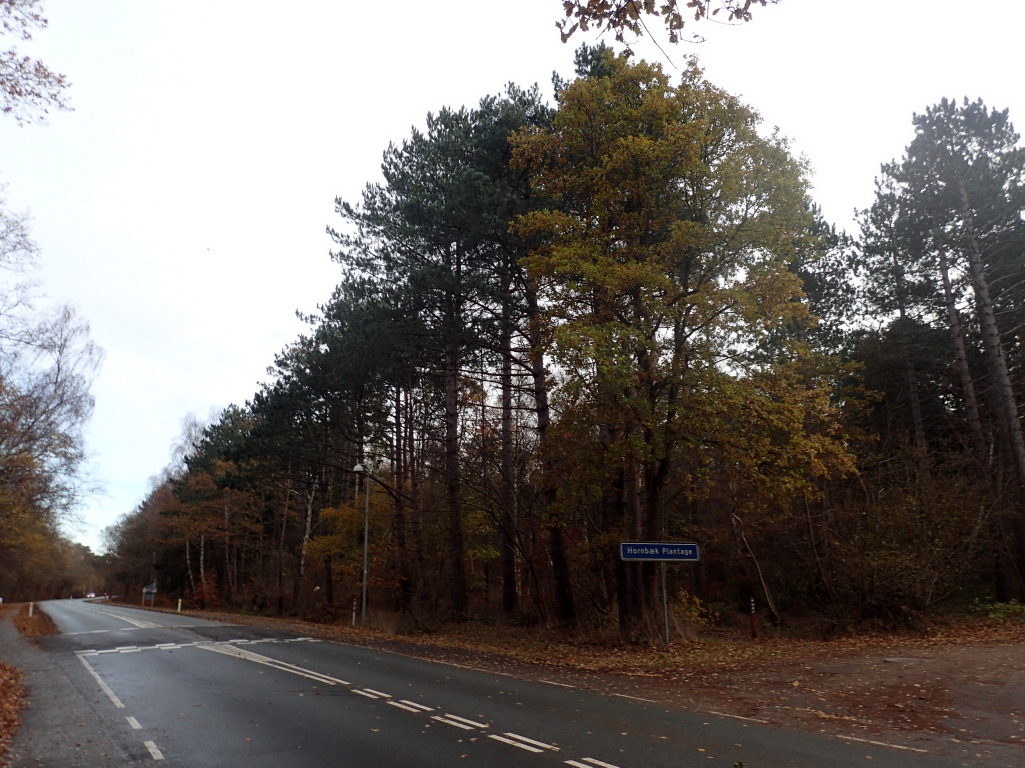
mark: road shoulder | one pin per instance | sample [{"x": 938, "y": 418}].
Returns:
[{"x": 63, "y": 721}]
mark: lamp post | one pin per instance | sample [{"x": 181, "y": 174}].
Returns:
[{"x": 359, "y": 469}]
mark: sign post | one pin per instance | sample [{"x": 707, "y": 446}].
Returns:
[{"x": 660, "y": 552}]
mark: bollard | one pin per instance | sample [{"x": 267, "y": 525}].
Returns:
[
  {"x": 754, "y": 621},
  {"x": 30, "y": 606},
  {"x": 179, "y": 605},
  {"x": 354, "y": 611}
]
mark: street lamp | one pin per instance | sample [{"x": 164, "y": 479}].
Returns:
[{"x": 359, "y": 470}]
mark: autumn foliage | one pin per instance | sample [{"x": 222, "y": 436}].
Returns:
[{"x": 623, "y": 318}]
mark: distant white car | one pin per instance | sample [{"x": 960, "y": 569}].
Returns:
[{"x": 91, "y": 594}]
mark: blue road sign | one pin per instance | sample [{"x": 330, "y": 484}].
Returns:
[{"x": 658, "y": 550}]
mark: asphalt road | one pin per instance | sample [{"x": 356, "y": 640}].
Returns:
[{"x": 121, "y": 687}]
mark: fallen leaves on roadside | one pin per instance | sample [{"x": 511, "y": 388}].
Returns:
[
  {"x": 36, "y": 625},
  {"x": 11, "y": 696}
]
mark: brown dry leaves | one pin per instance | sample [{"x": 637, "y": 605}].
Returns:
[
  {"x": 38, "y": 625},
  {"x": 11, "y": 696}
]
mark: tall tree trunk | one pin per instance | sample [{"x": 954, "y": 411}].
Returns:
[
  {"x": 506, "y": 497},
  {"x": 917, "y": 425},
  {"x": 457, "y": 587},
  {"x": 412, "y": 462},
  {"x": 399, "y": 479},
  {"x": 229, "y": 581},
  {"x": 565, "y": 607},
  {"x": 306, "y": 531},
  {"x": 979, "y": 451},
  {"x": 1009, "y": 418}
]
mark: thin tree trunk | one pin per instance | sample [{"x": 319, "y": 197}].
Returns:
[{"x": 188, "y": 565}]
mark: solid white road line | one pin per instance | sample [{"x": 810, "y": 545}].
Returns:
[
  {"x": 134, "y": 723},
  {"x": 561, "y": 685},
  {"x": 635, "y": 698},
  {"x": 599, "y": 763},
  {"x": 140, "y": 623},
  {"x": 156, "y": 753},
  {"x": 883, "y": 744},
  {"x": 510, "y": 742},
  {"x": 240, "y": 653},
  {"x": 474, "y": 723},
  {"x": 103, "y": 685}
]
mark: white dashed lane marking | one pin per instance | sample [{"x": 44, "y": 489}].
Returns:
[
  {"x": 156, "y": 753},
  {"x": 540, "y": 744},
  {"x": 400, "y": 705},
  {"x": 472, "y": 723},
  {"x": 514, "y": 739},
  {"x": 229, "y": 648},
  {"x": 504, "y": 740},
  {"x": 446, "y": 721}
]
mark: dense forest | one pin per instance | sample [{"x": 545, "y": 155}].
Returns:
[{"x": 623, "y": 317}]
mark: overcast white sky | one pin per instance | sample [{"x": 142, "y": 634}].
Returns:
[{"x": 181, "y": 207}]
